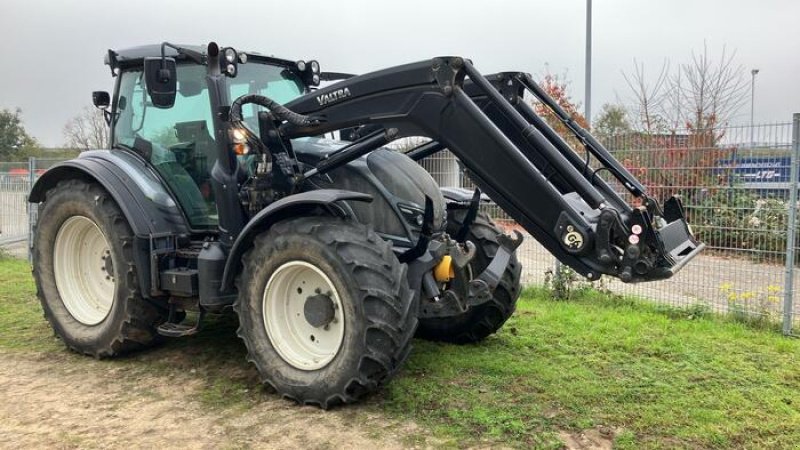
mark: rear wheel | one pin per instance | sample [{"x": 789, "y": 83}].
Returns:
[
  {"x": 85, "y": 273},
  {"x": 324, "y": 309},
  {"x": 481, "y": 321}
]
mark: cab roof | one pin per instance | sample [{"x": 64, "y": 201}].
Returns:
[{"x": 134, "y": 56}]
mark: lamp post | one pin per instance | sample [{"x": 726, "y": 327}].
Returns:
[
  {"x": 587, "y": 113},
  {"x": 753, "y": 74}
]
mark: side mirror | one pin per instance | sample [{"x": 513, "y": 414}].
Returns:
[
  {"x": 161, "y": 79},
  {"x": 101, "y": 99}
]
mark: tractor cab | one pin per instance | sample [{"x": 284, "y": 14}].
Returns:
[{"x": 181, "y": 138}]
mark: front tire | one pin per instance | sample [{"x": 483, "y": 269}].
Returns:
[
  {"x": 85, "y": 273},
  {"x": 478, "y": 322},
  {"x": 324, "y": 310}
]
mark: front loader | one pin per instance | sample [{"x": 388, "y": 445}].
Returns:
[{"x": 222, "y": 190}]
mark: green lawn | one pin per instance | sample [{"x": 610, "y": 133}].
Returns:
[{"x": 654, "y": 378}]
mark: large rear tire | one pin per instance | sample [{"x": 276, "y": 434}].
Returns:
[
  {"x": 324, "y": 310},
  {"x": 85, "y": 273},
  {"x": 481, "y": 321}
]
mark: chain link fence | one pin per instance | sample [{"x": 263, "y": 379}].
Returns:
[{"x": 739, "y": 186}]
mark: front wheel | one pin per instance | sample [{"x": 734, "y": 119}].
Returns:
[
  {"x": 324, "y": 309},
  {"x": 481, "y": 321}
]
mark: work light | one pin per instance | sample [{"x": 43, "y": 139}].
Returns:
[{"x": 230, "y": 55}]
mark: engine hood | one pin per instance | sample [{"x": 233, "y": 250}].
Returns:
[{"x": 398, "y": 184}]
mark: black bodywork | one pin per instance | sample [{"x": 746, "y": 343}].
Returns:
[{"x": 503, "y": 146}]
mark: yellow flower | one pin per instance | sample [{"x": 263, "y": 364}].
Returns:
[
  {"x": 725, "y": 287},
  {"x": 748, "y": 295},
  {"x": 773, "y": 289}
]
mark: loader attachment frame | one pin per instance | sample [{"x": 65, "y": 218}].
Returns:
[{"x": 515, "y": 157}]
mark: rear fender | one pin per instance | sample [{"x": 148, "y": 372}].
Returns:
[{"x": 144, "y": 201}]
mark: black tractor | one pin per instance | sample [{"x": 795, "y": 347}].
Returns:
[{"x": 224, "y": 189}]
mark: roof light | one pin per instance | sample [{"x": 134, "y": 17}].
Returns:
[
  {"x": 230, "y": 55},
  {"x": 301, "y": 66}
]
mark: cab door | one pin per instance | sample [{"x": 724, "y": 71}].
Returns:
[{"x": 178, "y": 141}]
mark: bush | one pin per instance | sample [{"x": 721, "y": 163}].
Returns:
[{"x": 738, "y": 220}]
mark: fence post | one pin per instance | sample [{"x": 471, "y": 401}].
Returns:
[
  {"x": 31, "y": 180},
  {"x": 788, "y": 288}
]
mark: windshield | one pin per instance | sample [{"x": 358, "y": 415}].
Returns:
[{"x": 275, "y": 82}]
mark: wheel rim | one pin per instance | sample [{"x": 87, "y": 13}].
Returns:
[
  {"x": 84, "y": 270},
  {"x": 300, "y": 344}
]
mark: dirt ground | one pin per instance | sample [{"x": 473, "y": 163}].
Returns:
[
  {"x": 66, "y": 401},
  {"x": 45, "y": 403}
]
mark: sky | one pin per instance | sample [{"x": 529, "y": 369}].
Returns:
[{"x": 53, "y": 50}]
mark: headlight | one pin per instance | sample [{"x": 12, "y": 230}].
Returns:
[
  {"x": 412, "y": 215},
  {"x": 239, "y": 141},
  {"x": 238, "y": 135},
  {"x": 315, "y": 80},
  {"x": 301, "y": 66},
  {"x": 231, "y": 70},
  {"x": 230, "y": 55},
  {"x": 314, "y": 67}
]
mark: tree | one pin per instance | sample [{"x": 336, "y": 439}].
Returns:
[
  {"x": 699, "y": 95},
  {"x": 87, "y": 130},
  {"x": 712, "y": 91},
  {"x": 612, "y": 121},
  {"x": 649, "y": 97},
  {"x": 14, "y": 140},
  {"x": 557, "y": 87}
]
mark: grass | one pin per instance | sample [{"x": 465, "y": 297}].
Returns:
[
  {"x": 648, "y": 377},
  {"x": 657, "y": 377}
]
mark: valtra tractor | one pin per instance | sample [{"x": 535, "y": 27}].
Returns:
[{"x": 220, "y": 191}]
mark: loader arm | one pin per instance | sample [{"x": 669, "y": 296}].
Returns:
[{"x": 511, "y": 154}]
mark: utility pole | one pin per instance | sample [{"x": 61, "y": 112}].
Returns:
[{"x": 753, "y": 74}]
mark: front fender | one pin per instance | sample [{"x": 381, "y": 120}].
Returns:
[{"x": 296, "y": 205}]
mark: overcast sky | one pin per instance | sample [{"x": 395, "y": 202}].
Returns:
[{"x": 53, "y": 50}]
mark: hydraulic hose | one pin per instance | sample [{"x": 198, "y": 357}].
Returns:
[{"x": 279, "y": 111}]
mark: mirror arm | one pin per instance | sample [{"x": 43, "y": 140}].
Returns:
[
  {"x": 191, "y": 54},
  {"x": 163, "y": 74}
]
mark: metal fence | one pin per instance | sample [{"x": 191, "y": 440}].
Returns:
[
  {"x": 15, "y": 182},
  {"x": 16, "y": 217},
  {"x": 739, "y": 186},
  {"x": 740, "y": 196}
]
